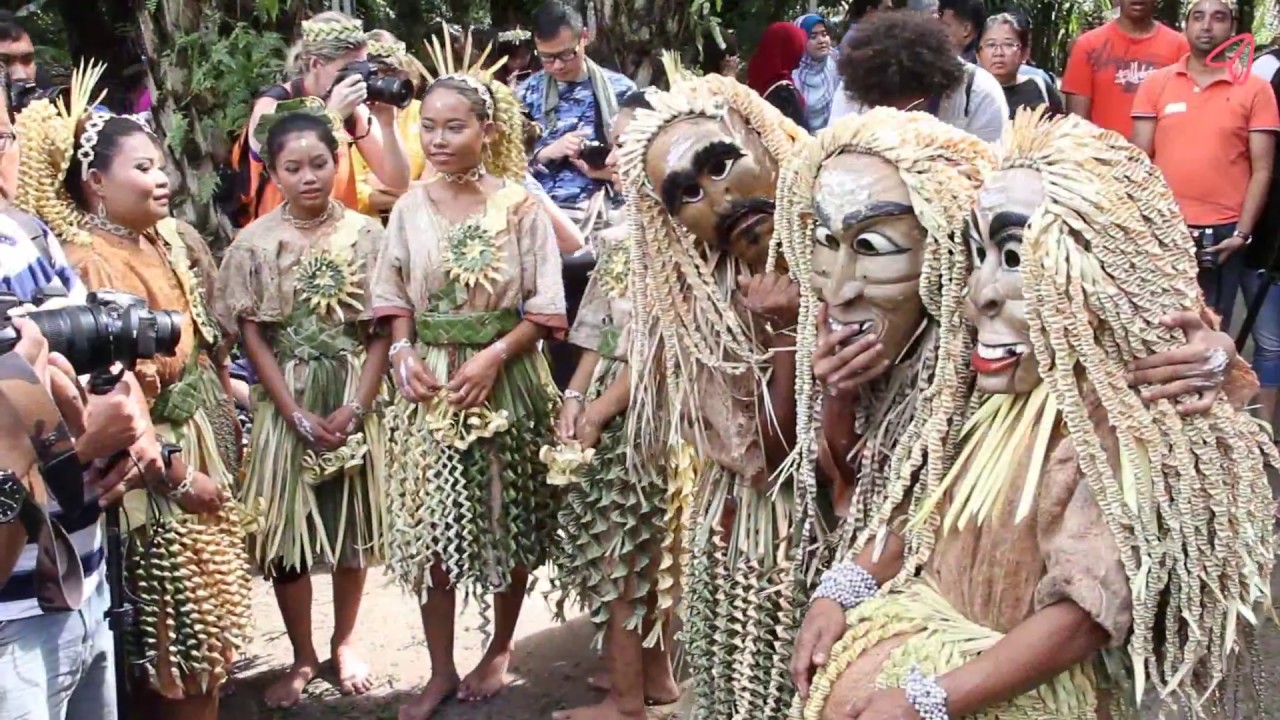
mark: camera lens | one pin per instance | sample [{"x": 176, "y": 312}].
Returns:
[{"x": 391, "y": 91}]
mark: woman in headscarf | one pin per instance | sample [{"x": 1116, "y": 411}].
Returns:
[
  {"x": 817, "y": 77},
  {"x": 769, "y": 71}
]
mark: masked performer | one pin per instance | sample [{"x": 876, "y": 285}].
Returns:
[
  {"x": 296, "y": 283},
  {"x": 615, "y": 557},
  {"x": 469, "y": 283},
  {"x": 99, "y": 182},
  {"x": 711, "y": 362},
  {"x": 1140, "y": 551}
]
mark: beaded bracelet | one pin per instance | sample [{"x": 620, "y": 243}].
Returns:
[
  {"x": 926, "y": 695},
  {"x": 397, "y": 346},
  {"x": 848, "y": 584}
]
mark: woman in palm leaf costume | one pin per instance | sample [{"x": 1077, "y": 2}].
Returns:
[
  {"x": 615, "y": 554},
  {"x": 296, "y": 283},
  {"x": 99, "y": 182},
  {"x": 469, "y": 284}
]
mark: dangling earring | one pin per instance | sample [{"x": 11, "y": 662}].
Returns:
[
  {"x": 486, "y": 154},
  {"x": 102, "y": 212}
]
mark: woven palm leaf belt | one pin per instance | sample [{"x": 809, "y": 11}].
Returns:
[
  {"x": 306, "y": 338},
  {"x": 471, "y": 328}
]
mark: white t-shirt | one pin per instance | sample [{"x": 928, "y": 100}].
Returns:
[
  {"x": 988, "y": 109},
  {"x": 1265, "y": 67}
]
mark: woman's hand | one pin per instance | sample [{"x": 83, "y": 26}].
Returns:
[
  {"x": 385, "y": 115},
  {"x": 344, "y": 421},
  {"x": 470, "y": 385},
  {"x": 887, "y": 704},
  {"x": 566, "y": 425},
  {"x": 415, "y": 382},
  {"x": 823, "y": 626},
  {"x": 774, "y": 297},
  {"x": 588, "y": 428},
  {"x": 840, "y": 370},
  {"x": 346, "y": 96},
  {"x": 1197, "y": 368},
  {"x": 315, "y": 432}
]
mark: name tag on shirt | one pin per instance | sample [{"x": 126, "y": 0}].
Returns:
[{"x": 1175, "y": 108}]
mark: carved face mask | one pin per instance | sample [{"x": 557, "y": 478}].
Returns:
[
  {"x": 1003, "y": 358},
  {"x": 869, "y": 250},
  {"x": 718, "y": 180}
]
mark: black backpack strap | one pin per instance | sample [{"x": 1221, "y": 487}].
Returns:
[{"x": 970, "y": 72}]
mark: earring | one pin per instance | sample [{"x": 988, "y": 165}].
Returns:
[{"x": 102, "y": 211}]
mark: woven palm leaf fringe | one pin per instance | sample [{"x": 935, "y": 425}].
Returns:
[
  {"x": 941, "y": 639},
  {"x": 612, "y": 529},
  {"x": 440, "y": 497},
  {"x": 338, "y": 521},
  {"x": 740, "y": 602}
]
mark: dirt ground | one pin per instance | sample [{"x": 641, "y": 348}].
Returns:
[{"x": 549, "y": 671}]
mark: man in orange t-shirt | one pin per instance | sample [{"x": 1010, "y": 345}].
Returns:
[
  {"x": 1107, "y": 64},
  {"x": 1214, "y": 141}
]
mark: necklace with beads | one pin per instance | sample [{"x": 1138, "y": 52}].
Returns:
[
  {"x": 101, "y": 222},
  {"x": 311, "y": 224},
  {"x": 472, "y": 175}
]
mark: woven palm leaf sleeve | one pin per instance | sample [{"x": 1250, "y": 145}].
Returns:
[
  {"x": 740, "y": 600},
  {"x": 941, "y": 169}
]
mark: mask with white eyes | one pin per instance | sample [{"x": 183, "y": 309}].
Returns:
[
  {"x": 868, "y": 250},
  {"x": 717, "y": 178},
  {"x": 1002, "y": 358}
]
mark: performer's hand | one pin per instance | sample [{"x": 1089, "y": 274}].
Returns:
[
  {"x": 588, "y": 428},
  {"x": 314, "y": 431},
  {"x": 887, "y": 704},
  {"x": 839, "y": 369},
  {"x": 343, "y": 421},
  {"x": 142, "y": 463},
  {"x": 1198, "y": 368},
  {"x": 470, "y": 385},
  {"x": 415, "y": 382},
  {"x": 822, "y": 628},
  {"x": 772, "y": 296},
  {"x": 204, "y": 497},
  {"x": 570, "y": 410}
]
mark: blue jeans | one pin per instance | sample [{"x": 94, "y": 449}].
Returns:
[
  {"x": 1266, "y": 329},
  {"x": 58, "y": 666}
]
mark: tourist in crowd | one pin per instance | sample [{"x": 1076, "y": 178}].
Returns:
[
  {"x": 769, "y": 71},
  {"x": 393, "y": 59},
  {"x": 1107, "y": 65},
  {"x": 817, "y": 77},
  {"x": 964, "y": 20},
  {"x": 718, "y": 55},
  {"x": 1002, "y": 51}
]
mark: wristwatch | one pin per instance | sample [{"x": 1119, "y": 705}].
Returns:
[
  {"x": 1246, "y": 238},
  {"x": 13, "y": 495},
  {"x": 167, "y": 451}
]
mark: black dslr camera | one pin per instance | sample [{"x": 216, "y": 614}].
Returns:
[
  {"x": 24, "y": 92},
  {"x": 595, "y": 154},
  {"x": 113, "y": 327},
  {"x": 385, "y": 90}
]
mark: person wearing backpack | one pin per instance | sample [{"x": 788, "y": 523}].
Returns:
[
  {"x": 330, "y": 42},
  {"x": 906, "y": 60}
]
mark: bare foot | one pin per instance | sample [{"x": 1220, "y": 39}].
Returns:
[
  {"x": 487, "y": 679},
  {"x": 352, "y": 672},
  {"x": 604, "y": 711},
  {"x": 437, "y": 690},
  {"x": 287, "y": 691},
  {"x": 661, "y": 690}
]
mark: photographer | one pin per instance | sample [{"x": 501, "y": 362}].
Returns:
[
  {"x": 393, "y": 60},
  {"x": 322, "y": 63}
]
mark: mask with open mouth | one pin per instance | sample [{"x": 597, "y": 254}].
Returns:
[
  {"x": 868, "y": 250},
  {"x": 716, "y": 177},
  {"x": 1002, "y": 357}
]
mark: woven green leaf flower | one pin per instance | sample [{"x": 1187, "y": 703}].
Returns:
[
  {"x": 327, "y": 282},
  {"x": 473, "y": 255}
]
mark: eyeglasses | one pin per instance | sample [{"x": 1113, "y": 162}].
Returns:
[
  {"x": 1001, "y": 46},
  {"x": 565, "y": 56},
  {"x": 7, "y": 139}
]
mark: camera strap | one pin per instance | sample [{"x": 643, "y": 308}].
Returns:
[{"x": 26, "y": 407}]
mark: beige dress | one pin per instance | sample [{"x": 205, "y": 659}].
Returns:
[
  {"x": 467, "y": 490},
  {"x": 986, "y": 579},
  {"x": 312, "y": 295}
]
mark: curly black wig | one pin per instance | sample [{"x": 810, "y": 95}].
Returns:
[{"x": 894, "y": 57}]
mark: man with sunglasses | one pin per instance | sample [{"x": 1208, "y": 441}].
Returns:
[{"x": 574, "y": 101}]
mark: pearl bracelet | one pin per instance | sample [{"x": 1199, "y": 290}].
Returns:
[
  {"x": 926, "y": 695},
  {"x": 848, "y": 584}
]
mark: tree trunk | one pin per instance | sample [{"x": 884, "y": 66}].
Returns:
[{"x": 629, "y": 34}]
